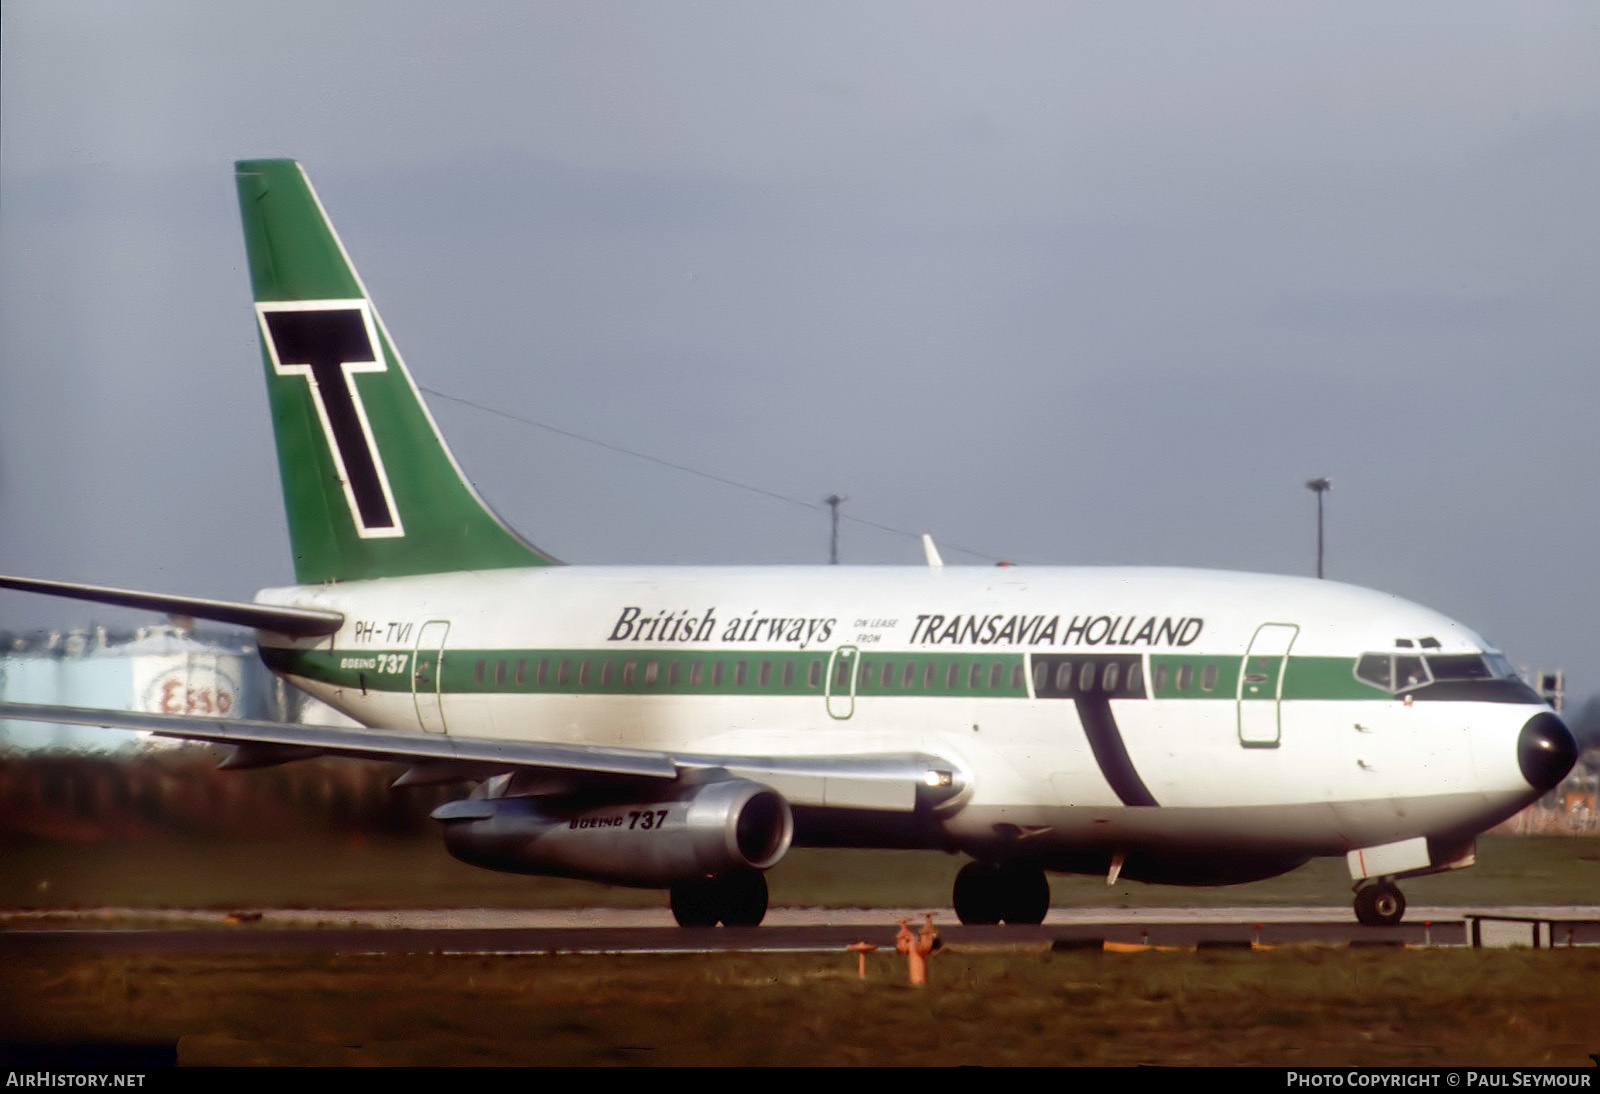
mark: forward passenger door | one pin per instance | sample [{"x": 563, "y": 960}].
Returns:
[{"x": 1261, "y": 685}]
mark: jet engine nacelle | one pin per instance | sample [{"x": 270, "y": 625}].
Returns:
[{"x": 709, "y": 829}]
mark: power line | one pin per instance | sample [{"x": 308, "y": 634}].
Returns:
[{"x": 608, "y": 446}]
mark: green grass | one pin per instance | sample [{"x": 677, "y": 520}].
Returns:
[
  {"x": 373, "y": 874},
  {"x": 1286, "y": 1007}
]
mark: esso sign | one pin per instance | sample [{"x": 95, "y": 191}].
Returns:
[
  {"x": 174, "y": 696},
  {"x": 191, "y": 690}
]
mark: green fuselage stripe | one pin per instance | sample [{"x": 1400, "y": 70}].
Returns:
[{"x": 784, "y": 672}]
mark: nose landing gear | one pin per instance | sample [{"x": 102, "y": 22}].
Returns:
[{"x": 1379, "y": 903}]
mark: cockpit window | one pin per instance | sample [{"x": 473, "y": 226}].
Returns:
[
  {"x": 1410, "y": 672},
  {"x": 1403, "y": 671},
  {"x": 1465, "y": 666},
  {"x": 1500, "y": 666},
  {"x": 1376, "y": 669}
]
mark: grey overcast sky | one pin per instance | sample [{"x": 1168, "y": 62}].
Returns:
[{"x": 1057, "y": 282}]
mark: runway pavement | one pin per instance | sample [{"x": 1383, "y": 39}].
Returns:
[{"x": 786, "y": 929}]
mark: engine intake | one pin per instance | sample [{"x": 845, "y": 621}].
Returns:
[{"x": 706, "y": 830}]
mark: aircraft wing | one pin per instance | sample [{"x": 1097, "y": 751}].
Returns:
[
  {"x": 883, "y": 781},
  {"x": 295, "y": 622}
]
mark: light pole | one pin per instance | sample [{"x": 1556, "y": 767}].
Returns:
[
  {"x": 833, "y": 501},
  {"x": 1319, "y": 487}
]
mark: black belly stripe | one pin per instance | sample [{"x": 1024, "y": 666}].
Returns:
[{"x": 1105, "y": 739}]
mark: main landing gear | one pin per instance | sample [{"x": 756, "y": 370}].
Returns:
[
  {"x": 736, "y": 899},
  {"x": 1379, "y": 903},
  {"x": 1001, "y": 892}
]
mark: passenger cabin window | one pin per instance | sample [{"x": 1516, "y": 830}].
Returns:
[
  {"x": 814, "y": 674},
  {"x": 1208, "y": 678},
  {"x": 1185, "y": 676}
]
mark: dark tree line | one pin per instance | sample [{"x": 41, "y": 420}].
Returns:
[{"x": 180, "y": 793}]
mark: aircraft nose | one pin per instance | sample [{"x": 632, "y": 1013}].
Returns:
[{"x": 1545, "y": 751}]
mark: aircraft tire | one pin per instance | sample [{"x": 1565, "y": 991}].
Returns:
[
  {"x": 695, "y": 903},
  {"x": 744, "y": 898},
  {"x": 1380, "y": 904},
  {"x": 1024, "y": 894},
  {"x": 978, "y": 894}
]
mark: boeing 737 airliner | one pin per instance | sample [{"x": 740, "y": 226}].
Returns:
[{"x": 680, "y": 728}]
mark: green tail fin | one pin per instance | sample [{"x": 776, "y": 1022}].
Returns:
[{"x": 369, "y": 486}]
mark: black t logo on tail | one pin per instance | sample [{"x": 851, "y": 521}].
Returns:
[{"x": 327, "y": 344}]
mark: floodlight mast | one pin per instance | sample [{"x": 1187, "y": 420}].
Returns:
[
  {"x": 833, "y": 501},
  {"x": 1319, "y": 487}
]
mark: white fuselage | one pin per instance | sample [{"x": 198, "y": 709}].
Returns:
[{"x": 1085, "y": 707}]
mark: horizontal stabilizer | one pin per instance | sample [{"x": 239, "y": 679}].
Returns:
[{"x": 294, "y": 622}]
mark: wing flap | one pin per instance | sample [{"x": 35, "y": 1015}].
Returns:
[{"x": 839, "y": 782}]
